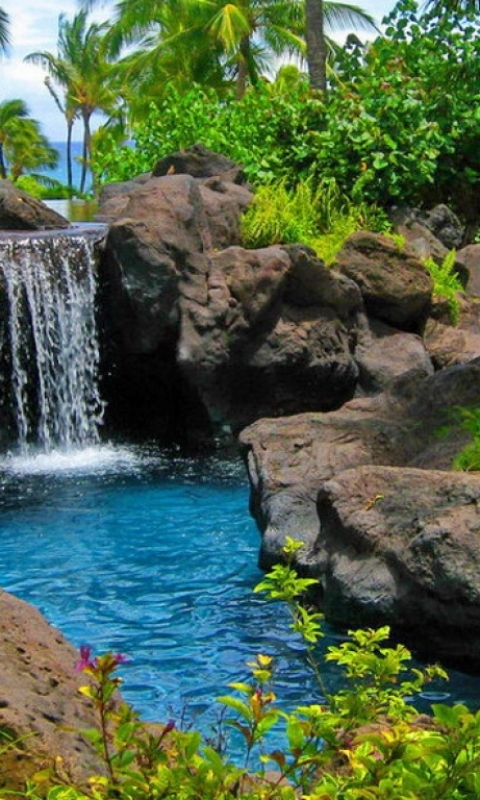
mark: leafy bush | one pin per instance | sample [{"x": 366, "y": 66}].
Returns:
[
  {"x": 364, "y": 741},
  {"x": 401, "y": 124},
  {"x": 264, "y": 133},
  {"x": 43, "y": 188},
  {"x": 403, "y": 118}
]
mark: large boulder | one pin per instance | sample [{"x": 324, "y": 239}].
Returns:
[
  {"x": 196, "y": 326},
  {"x": 449, "y": 344},
  {"x": 41, "y": 709},
  {"x": 401, "y": 547},
  {"x": 384, "y": 353},
  {"x": 395, "y": 286},
  {"x": 268, "y": 331},
  {"x": 469, "y": 256},
  {"x": 21, "y": 211},
  {"x": 200, "y": 162},
  {"x": 160, "y": 229}
]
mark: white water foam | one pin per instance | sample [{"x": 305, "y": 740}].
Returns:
[{"x": 91, "y": 460}]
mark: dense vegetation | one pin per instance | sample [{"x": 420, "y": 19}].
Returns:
[{"x": 399, "y": 124}]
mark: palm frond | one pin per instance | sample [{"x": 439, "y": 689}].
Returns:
[
  {"x": 229, "y": 26},
  {"x": 345, "y": 16}
]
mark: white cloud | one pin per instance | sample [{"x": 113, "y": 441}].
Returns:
[{"x": 33, "y": 27}]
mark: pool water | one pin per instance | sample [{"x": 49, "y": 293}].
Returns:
[
  {"x": 155, "y": 556},
  {"x": 152, "y": 556}
]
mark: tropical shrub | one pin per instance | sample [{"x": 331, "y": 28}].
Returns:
[
  {"x": 401, "y": 124},
  {"x": 44, "y": 188},
  {"x": 264, "y": 132},
  {"x": 364, "y": 741},
  {"x": 403, "y": 119}
]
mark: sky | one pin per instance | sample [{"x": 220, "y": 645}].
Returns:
[{"x": 34, "y": 26}]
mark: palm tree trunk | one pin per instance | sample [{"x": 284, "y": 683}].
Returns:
[
  {"x": 87, "y": 136},
  {"x": 3, "y": 168},
  {"x": 315, "y": 41},
  {"x": 69, "y": 154},
  {"x": 243, "y": 68}
]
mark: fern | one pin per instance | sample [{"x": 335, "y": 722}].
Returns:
[
  {"x": 446, "y": 283},
  {"x": 320, "y": 217}
]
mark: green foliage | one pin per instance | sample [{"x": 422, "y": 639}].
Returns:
[
  {"x": 401, "y": 124},
  {"x": 266, "y": 137},
  {"x": 364, "y": 741},
  {"x": 44, "y": 189},
  {"x": 316, "y": 215},
  {"x": 468, "y": 459},
  {"x": 446, "y": 283}
]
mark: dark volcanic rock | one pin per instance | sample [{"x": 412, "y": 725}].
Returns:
[
  {"x": 199, "y": 162},
  {"x": 20, "y": 211},
  {"x": 294, "y": 461},
  {"x": 268, "y": 332},
  {"x": 470, "y": 257},
  {"x": 234, "y": 333},
  {"x": 384, "y": 353},
  {"x": 395, "y": 286},
  {"x": 401, "y": 547}
]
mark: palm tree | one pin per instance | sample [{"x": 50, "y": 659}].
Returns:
[
  {"x": 10, "y": 112},
  {"x": 21, "y": 142},
  {"x": 59, "y": 69},
  {"x": 242, "y": 35},
  {"x": 4, "y": 31},
  {"x": 28, "y": 149},
  {"x": 82, "y": 70}
]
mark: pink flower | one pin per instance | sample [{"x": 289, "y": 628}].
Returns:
[
  {"x": 120, "y": 658},
  {"x": 85, "y": 661}
]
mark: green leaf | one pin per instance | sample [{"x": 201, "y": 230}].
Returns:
[{"x": 238, "y": 705}]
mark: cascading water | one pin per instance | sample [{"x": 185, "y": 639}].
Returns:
[{"x": 50, "y": 286}]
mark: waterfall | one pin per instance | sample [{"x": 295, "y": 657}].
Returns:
[{"x": 49, "y": 286}]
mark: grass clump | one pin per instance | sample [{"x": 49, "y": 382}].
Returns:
[
  {"x": 446, "y": 283},
  {"x": 317, "y": 215}
]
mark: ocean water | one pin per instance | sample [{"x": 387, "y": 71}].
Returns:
[{"x": 60, "y": 171}]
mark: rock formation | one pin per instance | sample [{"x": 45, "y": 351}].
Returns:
[
  {"x": 299, "y": 467},
  {"x": 202, "y": 336}
]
